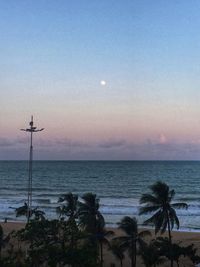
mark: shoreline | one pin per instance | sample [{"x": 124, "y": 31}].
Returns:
[
  {"x": 15, "y": 225},
  {"x": 112, "y": 226}
]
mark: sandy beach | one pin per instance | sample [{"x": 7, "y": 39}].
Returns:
[{"x": 185, "y": 238}]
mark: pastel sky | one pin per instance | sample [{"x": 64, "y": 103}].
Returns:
[{"x": 54, "y": 55}]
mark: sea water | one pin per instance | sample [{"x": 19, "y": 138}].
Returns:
[{"x": 118, "y": 184}]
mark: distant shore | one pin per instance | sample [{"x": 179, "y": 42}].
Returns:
[{"x": 183, "y": 237}]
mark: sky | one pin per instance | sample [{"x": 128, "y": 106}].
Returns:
[{"x": 108, "y": 80}]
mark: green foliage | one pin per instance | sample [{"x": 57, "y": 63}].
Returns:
[
  {"x": 117, "y": 250},
  {"x": 34, "y": 213},
  {"x": 90, "y": 217},
  {"x": 132, "y": 238},
  {"x": 160, "y": 203},
  {"x": 69, "y": 207},
  {"x": 92, "y": 221},
  {"x": 151, "y": 255},
  {"x": 78, "y": 237},
  {"x": 189, "y": 251}
]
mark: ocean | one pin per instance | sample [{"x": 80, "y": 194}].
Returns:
[{"x": 118, "y": 185}]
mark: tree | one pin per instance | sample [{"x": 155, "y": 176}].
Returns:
[
  {"x": 22, "y": 211},
  {"x": 151, "y": 255},
  {"x": 89, "y": 215},
  {"x": 191, "y": 252},
  {"x": 160, "y": 203},
  {"x": 3, "y": 240},
  {"x": 132, "y": 238},
  {"x": 93, "y": 222},
  {"x": 69, "y": 206},
  {"x": 69, "y": 209},
  {"x": 34, "y": 213},
  {"x": 41, "y": 238},
  {"x": 102, "y": 238},
  {"x": 117, "y": 250}
]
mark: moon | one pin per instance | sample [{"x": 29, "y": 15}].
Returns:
[{"x": 103, "y": 83}]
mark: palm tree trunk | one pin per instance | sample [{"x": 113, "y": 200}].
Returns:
[
  {"x": 121, "y": 262},
  {"x": 72, "y": 246},
  {"x": 170, "y": 240},
  {"x": 132, "y": 253},
  {"x": 101, "y": 253},
  {"x": 135, "y": 252}
]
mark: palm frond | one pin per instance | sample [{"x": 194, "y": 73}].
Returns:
[
  {"x": 153, "y": 218},
  {"x": 160, "y": 190},
  {"x": 173, "y": 216},
  {"x": 172, "y": 220},
  {"x": 90, "y": 199},
  {"x": 148, "y": 198},
  {"x": 121, "y": 239},
  {"x": 159, "y": 203},
  {"x": 124, "y": 241},
  {"x": 144, "y": 233},
  {"x": 164, "y": 227},
  {"x": 180, "y": 205},
  {"x": 22, "y": 211},
  {"x": 129, "y": 225},
  {"x": 160, "y": 221},
  {"x": 100, "y": 220},
  {"x": 109, "y": 233},
  {"x": 117, "y": 250},
  {"x": 171, "y": 195},
  {"x": 148, "y": 209}
]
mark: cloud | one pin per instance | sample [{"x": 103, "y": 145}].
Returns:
[
  {"x": 43, "y": 143},
  {"x": 4, "y": 142},
  {"x": 71, "y": 143},
  {"x": 162, "y": 139},
  {"x": 159, "y": 148},
  {"x": 112, "y": 143}
]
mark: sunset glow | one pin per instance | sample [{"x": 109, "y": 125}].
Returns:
[{"x": 54, "y": 56}]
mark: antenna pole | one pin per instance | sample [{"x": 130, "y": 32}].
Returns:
[{"x": 31, "y": 130}]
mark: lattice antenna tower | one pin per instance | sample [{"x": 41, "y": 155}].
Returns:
[{"x": 30, "y": 130}]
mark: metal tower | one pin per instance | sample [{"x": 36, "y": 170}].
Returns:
[{"x": 31, "y": 130}]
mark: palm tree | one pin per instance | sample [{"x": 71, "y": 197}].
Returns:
[
  {"x": 93, "y": 221},
  {"x": 191, "y": 253},
  {"x": 69, "y": 207},
  {"x": 39, "y": 215},
  {"x": 132, "y": 238},
  {"x": 177, "y": 250},
  {"x": 117, "y": 250},
  {"x": 3, "y": 240},
  {"x": 89, "y": 214},
  {"x": 102, "y": 236},
  {"x": 160, "y": 202},
  {"x": 23, "y": 211},
  {"x": 151, "y": 255}
]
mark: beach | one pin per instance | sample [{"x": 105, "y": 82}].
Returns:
[{"x": 180, "y": 237}]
